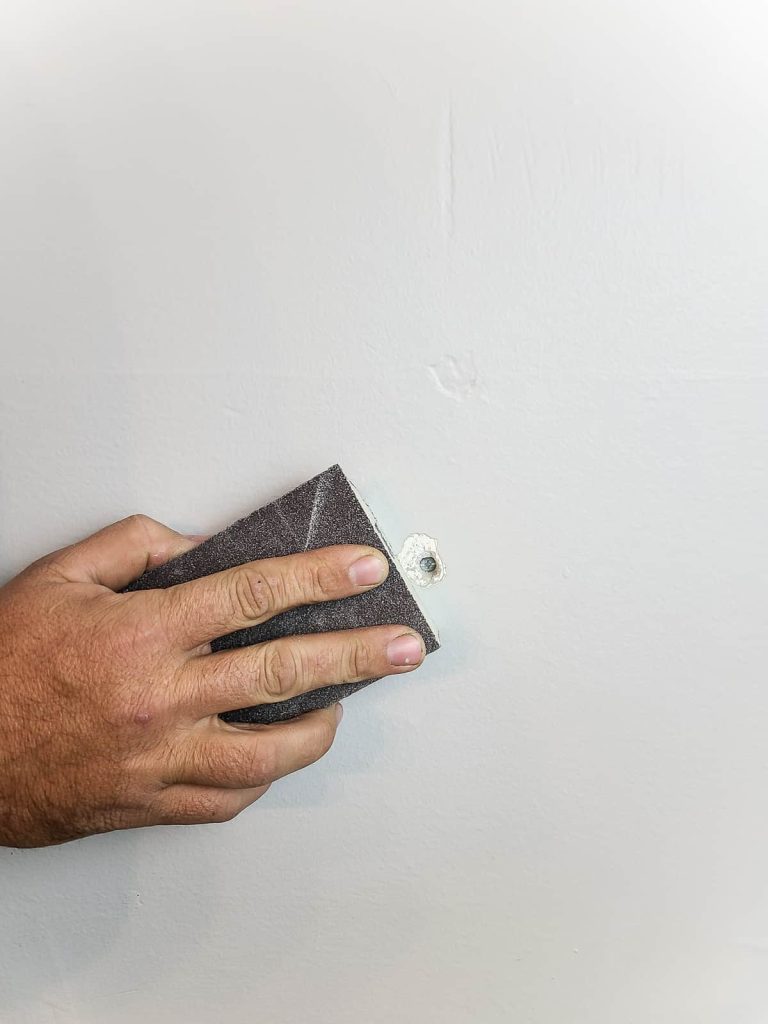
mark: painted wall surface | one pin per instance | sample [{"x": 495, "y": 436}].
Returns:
[{"x": 506, "y": 262}]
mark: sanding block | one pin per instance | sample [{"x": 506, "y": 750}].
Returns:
[{"x": 323, "y": 511}]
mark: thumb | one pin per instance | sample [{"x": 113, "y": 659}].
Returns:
[{"x": 120, "y": 553}]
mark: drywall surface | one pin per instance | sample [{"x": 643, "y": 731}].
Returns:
[{"x": 506, "y": 262}]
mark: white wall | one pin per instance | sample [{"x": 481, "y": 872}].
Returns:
[{"x": 506, "y": 262}]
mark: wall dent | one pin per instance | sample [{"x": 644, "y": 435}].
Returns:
[{"x": 456, "y": 378}]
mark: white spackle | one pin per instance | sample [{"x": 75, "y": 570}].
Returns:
[
  {"x": 456, "y": 378},
  {"x": 420, "y": 561}
]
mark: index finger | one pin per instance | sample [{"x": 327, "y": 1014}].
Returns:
[{"x": 203, "y": 609}]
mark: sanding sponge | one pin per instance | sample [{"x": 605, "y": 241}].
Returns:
[{"x": 325, "y": 510}]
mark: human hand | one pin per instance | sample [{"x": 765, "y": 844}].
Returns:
[{"x": 109, "y": 702}]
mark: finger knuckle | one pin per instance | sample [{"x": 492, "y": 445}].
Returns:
[
  {"x": 137, "y": 519},
  {"x": 138, "y": 523},
  {"x": 254, "y": 597},
  {"x": 357, "y": 659},
  {"x": 281, "y": 669},
  {"x": 322, "y": 581}
]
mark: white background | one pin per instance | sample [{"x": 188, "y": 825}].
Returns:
[{"x": 506, "y": 262}]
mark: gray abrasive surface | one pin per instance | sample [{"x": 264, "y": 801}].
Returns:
[{"x": 323, "y": 511}]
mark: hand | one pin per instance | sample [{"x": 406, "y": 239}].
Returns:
[{"x": 109, "y": 701}]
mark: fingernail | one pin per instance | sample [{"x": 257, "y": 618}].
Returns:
[
  {"x": 339, "y": 713},
  {"x": 368, "y": 571},
  {"x": 198, "y": 538},
  {"x": 407, "y": 649}
]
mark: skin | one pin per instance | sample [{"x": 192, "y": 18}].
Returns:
[{"x": 109, "y": 702}]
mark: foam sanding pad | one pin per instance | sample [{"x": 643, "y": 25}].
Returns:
[{"x": 325, "y": 510}]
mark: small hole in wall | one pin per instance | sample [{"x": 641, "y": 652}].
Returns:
[{"x": 428, "y": 564}]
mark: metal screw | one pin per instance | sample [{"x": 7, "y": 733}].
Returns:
[{"x": 428, "y": 564}]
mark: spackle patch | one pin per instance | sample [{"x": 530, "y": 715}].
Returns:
[
  {"x": 420, "y": 561},
  {"x": 456, "y": 378}
]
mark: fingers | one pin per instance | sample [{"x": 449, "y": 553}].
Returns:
[
  {"x": 203, "y": 609},
  {"x": 120, "y": 553},
  {"x": 201, "y": 805},
  {"x": 225, "y": 756},
  {"x": 279, "y": 669}
]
